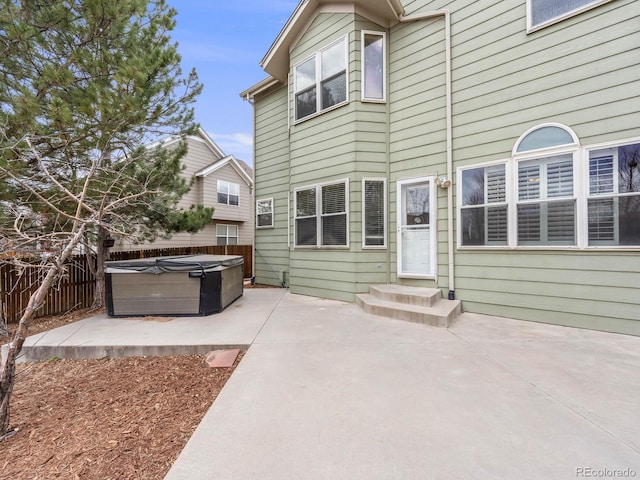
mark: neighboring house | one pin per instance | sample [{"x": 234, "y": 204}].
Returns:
[
  {"x": 220, "y": 181},
  {"x": 491, "y": 150}
]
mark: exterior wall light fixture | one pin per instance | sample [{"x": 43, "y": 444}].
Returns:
[{"x": 443, "y": 182}]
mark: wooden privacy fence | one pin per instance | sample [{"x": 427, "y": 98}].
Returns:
[{"x": 75, "y": 290}]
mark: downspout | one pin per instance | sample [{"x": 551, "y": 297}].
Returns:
[
  {"x": 447, "y": 19},
  {"x": 250, "y": 100}
]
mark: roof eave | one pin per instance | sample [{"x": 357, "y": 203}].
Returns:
[{"x": 276, "y": 60}]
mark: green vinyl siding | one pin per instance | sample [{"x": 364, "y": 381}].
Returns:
[
  {"x": 272, "y": 181},
  {"x": 582, "y": 73},
  {"x": 417, "y": 137}
]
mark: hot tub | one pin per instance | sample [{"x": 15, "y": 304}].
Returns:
[{"x": 186, "y": 285}]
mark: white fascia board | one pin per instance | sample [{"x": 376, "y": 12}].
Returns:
[
  {"x": 228, "y": 160},
  {"x": 259, "y": 87}
]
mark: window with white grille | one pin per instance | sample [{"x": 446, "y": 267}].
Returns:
[
  {"x": 546, "y": 207},
  {"x": 264, "y": 213},
  {"x": 320, "y": 82},
  {"x": 553, "y": 193},
  {"x": 614, "y": 196},
  {"x": 484, "y": 206},
  {"x": 227, "y": 234},
  {"x": 228, "y": 193},
  {"x": 321, "y": 217}
]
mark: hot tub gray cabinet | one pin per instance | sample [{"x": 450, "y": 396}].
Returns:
[{"x": 178, "y": 286}]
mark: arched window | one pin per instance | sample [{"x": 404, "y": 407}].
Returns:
[
  {"x": 545, "y": 136},
  {"x": 545, "y": 163}
]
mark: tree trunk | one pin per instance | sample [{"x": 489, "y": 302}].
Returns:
[
  {"x": 102, "y": 255},
  {"x": 7, "y": 371},
  {"x": 8, "y": 367}
]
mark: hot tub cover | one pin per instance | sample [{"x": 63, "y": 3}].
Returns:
[{"x": 182, "y": 263}]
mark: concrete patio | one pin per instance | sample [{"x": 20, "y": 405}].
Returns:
[{"x": 326, "y": 391}]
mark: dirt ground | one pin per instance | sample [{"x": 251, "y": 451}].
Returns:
[{"x": 104, "y": 419}]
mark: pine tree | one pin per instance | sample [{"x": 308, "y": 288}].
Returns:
[{"x": 84, "y": 86}]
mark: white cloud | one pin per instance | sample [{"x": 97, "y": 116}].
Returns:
[{"x": 240, "y": 145}]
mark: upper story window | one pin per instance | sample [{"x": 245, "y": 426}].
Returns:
[
  {"x": 320, "y": 82},
  {"x": 228, "y": 193},
  {"x": 373, "y": 66},
  {"x": 541, "y": 13}
]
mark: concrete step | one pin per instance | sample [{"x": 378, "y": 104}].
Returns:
[
  {"x": 441, "y": 314},
  {"x": 426, "y": 297}
]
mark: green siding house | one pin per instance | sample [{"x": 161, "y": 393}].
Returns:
[{"x": 488, "y": 149}]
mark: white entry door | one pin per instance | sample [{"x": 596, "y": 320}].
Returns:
[{"x": 416, "y": 228}]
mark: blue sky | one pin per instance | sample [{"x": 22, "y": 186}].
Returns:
[{"x": 224, "y": 40}]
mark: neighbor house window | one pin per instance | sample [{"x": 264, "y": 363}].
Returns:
[
  {"x": 321, "y": 215},
  {"x": 264, "y": 213},
  {"x": 373, "y": 66},
  {"x": 227, "y": 234},
  {"x": 374, "y": 202},
  {"x": 320, "y": 82},
  {"x": 541, "y": 13},
  {"x": 614, "y": 196},
  {"x": 484, "y": 206},
  {"x": 228, "y": 193}
]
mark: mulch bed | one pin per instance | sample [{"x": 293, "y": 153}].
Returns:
[{"x": 125, "y": 418}]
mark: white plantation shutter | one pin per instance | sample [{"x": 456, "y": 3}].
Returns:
[
  {"x": 560, "y": 215},
  {"x": 551, "y": 220},
  {"x": 496, "y": 184},
  {"x": 601, "y": 174},
  {"x": 561, "y": 222},
  {"x": 529, "y": 223},
  {"x": 497, "y": 224},
  {"x": 602, "y": 220},
  {"x": 529, "y": 182},
  {"x": 560, "y": 179}
]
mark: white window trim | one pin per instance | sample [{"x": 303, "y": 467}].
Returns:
[
  {"x": 433, "y": 223},
  {"x": 318, "y": 215},
  {"x": 318, "y": 58},
  {"x": 508, "y": 195},
  {"x": 221, "y": 182},
  {"x": 572, "y": 13},
  {"x": 541, "y": 151},
  {"x": 581, "y": 193},
  {"x": 227, "y": 225},
  {"x": 507, "y": 173},
  {"x": 272, "y": 212},
  {"x": 579, "y": 215},
  {"x": 384, "y": 214},
  {"x": 588, "y": 196},
  {"x": 384, "y": 67}
]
